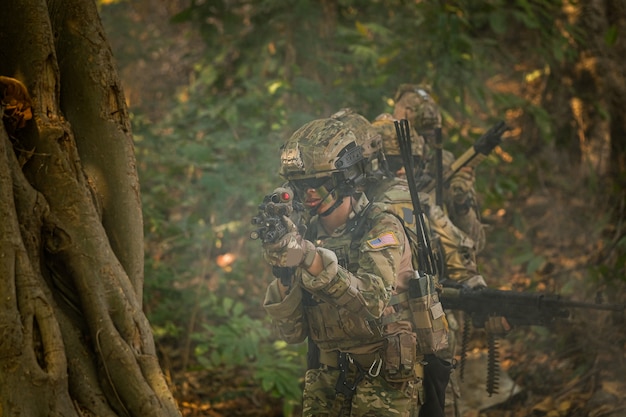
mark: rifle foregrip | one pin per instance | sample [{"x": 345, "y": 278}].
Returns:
[{"x": 492, "y": 138}]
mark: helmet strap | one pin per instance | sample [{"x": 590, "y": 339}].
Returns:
[{"x": 332, "y": 208}]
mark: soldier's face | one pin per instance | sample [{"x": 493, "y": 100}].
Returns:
[
  {"x": 318, "y": 200},
  {"x": 316, "y": 193}
]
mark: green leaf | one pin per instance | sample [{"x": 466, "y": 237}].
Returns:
[
  {"x": 610, "y": 37},
  {"x": 498, "y": 22},
  {"x": 534, "y": 264}
]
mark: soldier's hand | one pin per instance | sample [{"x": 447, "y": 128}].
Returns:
[
  {"x": 497, "y": 325},
  {"x": 290, "y": 250},
  {"x": 462, "y": 186},
  {"x": 429, "y": 117}
]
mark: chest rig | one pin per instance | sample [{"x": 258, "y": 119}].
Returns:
[
  {"x": 346, "y": 246},
  {"x": 331, "y": 325}
]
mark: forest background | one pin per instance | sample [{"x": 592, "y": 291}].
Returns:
[{"x": 214, "y": 87}]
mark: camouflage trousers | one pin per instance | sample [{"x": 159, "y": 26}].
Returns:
[
  {"x": 373, "y": 396},
  {"x": 453, "y": 390}
]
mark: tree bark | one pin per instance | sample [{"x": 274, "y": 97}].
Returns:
[
  {"x": 600, "y": 82},
  {"x": 75, "y": 340}
]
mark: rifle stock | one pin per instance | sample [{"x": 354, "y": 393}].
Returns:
[{"x": 519, "y": 308}]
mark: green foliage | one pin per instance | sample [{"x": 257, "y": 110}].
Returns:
[
  {"x": 527, "y": 256},
  {"x": 236, "y": 341},
  {"x": 233, "y": 338}
]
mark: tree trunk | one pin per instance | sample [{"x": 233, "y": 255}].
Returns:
[
  {"x": 74, "y": 340},
  {"x": 600, "y": 80}
]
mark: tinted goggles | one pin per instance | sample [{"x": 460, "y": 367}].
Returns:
[{"x": 308, "y": 183}]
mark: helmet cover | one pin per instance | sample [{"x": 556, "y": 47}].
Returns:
[
  {"x": 319, "y": 149},
  {"x": 366, "y": 135},
  {"x": 417, "y": 98},
  {"x": 384, "y": 125}
]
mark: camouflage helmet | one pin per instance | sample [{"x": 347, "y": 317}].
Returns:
[
  {"x": 319, "y": 149},
  {"x": 417, "y": 97},
  {"x": 384, "y": 125},
  {"x": 366, "y": 136}
]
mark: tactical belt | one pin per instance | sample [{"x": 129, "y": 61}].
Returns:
[{"x": 366, "y": 360}]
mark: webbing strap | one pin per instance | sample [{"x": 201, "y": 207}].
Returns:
[{"x": 402, "y": 315}]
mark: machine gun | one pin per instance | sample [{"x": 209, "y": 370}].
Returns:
[{"x": 518, "y": 308}]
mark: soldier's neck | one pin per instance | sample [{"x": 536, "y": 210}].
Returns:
[{"x": 338, "y": 217}]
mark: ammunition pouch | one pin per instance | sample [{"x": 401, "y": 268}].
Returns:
[
  {"x": 421, "y": 306},
  {"x": 338, "y": 328},
  {"x": 400, "y": 357}
]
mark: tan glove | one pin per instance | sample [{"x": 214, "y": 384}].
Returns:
[
  {"x": 497, "y": 326},
  {"x": 429, "y": 116},
  {"x": 291, "y": 250},
  {"x": 462, "y": 186}
]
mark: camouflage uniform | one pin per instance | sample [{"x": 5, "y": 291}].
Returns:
[
  {"x": 342, "y": 310},
  {"x": 369, "y": 270},
  {"x": 456, "y": 251},
  {"x": 414, "y": 103},
  {"x": 458, "y": 254}
]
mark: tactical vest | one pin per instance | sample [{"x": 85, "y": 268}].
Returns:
[
  {"x": 420, "y": 304},
  {"x": 454, "y": 251},
  {"x": 338, "y": 328}
]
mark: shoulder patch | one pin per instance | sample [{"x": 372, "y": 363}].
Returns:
[{"x": 386, "y": 239}]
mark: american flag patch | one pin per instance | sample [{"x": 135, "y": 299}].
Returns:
[{"x": 387, "y": 239}]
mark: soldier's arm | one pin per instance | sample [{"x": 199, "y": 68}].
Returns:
[
  {"x": 368, "y": 290},
  {"x": 286, "y": 311}
]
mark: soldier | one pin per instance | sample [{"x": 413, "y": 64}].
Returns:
[
  {"x": 386, "y": 184},
  {"x": 414, "y": 103},
  {"x": 350, "y": 270},
  {"x": 457, "y": 249}
]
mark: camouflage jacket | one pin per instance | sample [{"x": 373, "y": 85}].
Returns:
[
  {"x": 467, "y": 217},
  {"x": 456, "y": 250},
  {"x": 365, "y": 262}
]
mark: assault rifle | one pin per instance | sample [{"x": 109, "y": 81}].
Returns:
[
  {"x": 271, "y": 226},
  {"x": 275, "y": 206},
  {"x": 473, "y": 156}
]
